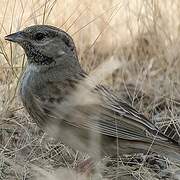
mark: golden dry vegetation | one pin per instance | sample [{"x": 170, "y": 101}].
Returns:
[{"x": 144, "y": 35}]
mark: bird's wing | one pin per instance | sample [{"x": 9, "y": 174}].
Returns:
[
  {"x": 108, "y": 115},
  {"x": 113, "y": 117},
  {"x": 116, "y": 121}
]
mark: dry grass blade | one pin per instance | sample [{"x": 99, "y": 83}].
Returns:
[
  {"x": 44, "y": 12},
  {"x": 107, "y": 24},
  {"x": 80, "y": 14},
  {"x": 97, "y": 17}
]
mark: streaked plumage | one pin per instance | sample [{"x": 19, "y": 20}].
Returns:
[{"x": 105, "y": 125}]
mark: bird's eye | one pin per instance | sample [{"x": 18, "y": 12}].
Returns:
[{"x": 39, "y": 36}]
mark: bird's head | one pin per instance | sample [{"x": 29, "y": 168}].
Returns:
[{"x": 44, "y": 44}]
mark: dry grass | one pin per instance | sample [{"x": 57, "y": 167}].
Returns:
[{"x": 143, "y": 35}]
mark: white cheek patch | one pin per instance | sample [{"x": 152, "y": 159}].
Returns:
[{"x": 60, "y": 53}]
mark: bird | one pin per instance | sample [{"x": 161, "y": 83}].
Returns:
[{"x": 55, "y": 92}]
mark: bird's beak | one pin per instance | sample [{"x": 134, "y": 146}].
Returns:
[{"x": 15, "y": 37}]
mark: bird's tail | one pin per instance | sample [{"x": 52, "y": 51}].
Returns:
[
  {"x": 173, "y": 148},
  {"x": 170, "y": 149}
]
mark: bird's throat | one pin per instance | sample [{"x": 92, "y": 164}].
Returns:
[{"x": 36, "y": 57}]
